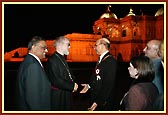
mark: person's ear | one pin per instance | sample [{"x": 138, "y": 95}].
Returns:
[{"x": 33, "y": 48}]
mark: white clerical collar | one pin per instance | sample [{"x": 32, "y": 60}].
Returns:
[
  {"x": 36, "y": 58},
  {"x": 102, "y": 55},
  {"x": 60, "y": 53},
  {"x": 162, "y": 64}
]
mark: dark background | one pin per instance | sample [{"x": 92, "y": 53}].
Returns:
[{"x": 23, "y": 21}]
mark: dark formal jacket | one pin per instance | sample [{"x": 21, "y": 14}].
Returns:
[
  {"x": 159, "y": 75},
  {"x": 33, "y": 86},
  {"x": 62, "y": 84},
  {"x": 141, "y": 96},
  {"x": 103, "y": 83}
]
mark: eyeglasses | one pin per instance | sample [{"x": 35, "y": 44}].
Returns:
[
  {"x": 42, "y": 47},
  {"x": 97, "y": 44},
  {"x": 148, "y": 48}
]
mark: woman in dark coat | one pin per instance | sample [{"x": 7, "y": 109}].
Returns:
[{"x": 142, "y": 92}]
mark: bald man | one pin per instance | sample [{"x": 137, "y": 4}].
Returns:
[
  {"x": 102, "y": 83},
  {"x": 159, "y": 102},
  {"x": 151, "y": 50}
]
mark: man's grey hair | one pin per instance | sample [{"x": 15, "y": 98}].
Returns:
[{"x": 59, "y": 40}]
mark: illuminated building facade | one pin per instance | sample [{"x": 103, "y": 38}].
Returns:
[{"x": 128, "y": 36}]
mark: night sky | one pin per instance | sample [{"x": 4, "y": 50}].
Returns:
[{"x": 23, "y": 21}]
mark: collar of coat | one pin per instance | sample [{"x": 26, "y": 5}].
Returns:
[{"x": 105, "y": 56}]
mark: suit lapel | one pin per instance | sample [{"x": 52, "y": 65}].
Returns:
[{"x": 105, "y": 56}]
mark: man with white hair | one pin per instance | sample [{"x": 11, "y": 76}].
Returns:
[
  {"x": 102, "y": 83},
  {"x": 60, "y": 76},
  {"x": 151, "y": 50}
]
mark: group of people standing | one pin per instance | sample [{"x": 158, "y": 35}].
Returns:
[
  {"x": 51, "y": 88},
  {"x": 147, "y": 90}
]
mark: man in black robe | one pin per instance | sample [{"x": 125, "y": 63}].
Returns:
[{"x": 60, "y": 76}]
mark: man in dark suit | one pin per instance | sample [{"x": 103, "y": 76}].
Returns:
[
  {"x": 151, "y": 50},
  {"x": 60, "y": 76},
  {"x": 159, "y": 102},
  {"x": 103, "y": 80},
  {"x": 33, "y": 86}
]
